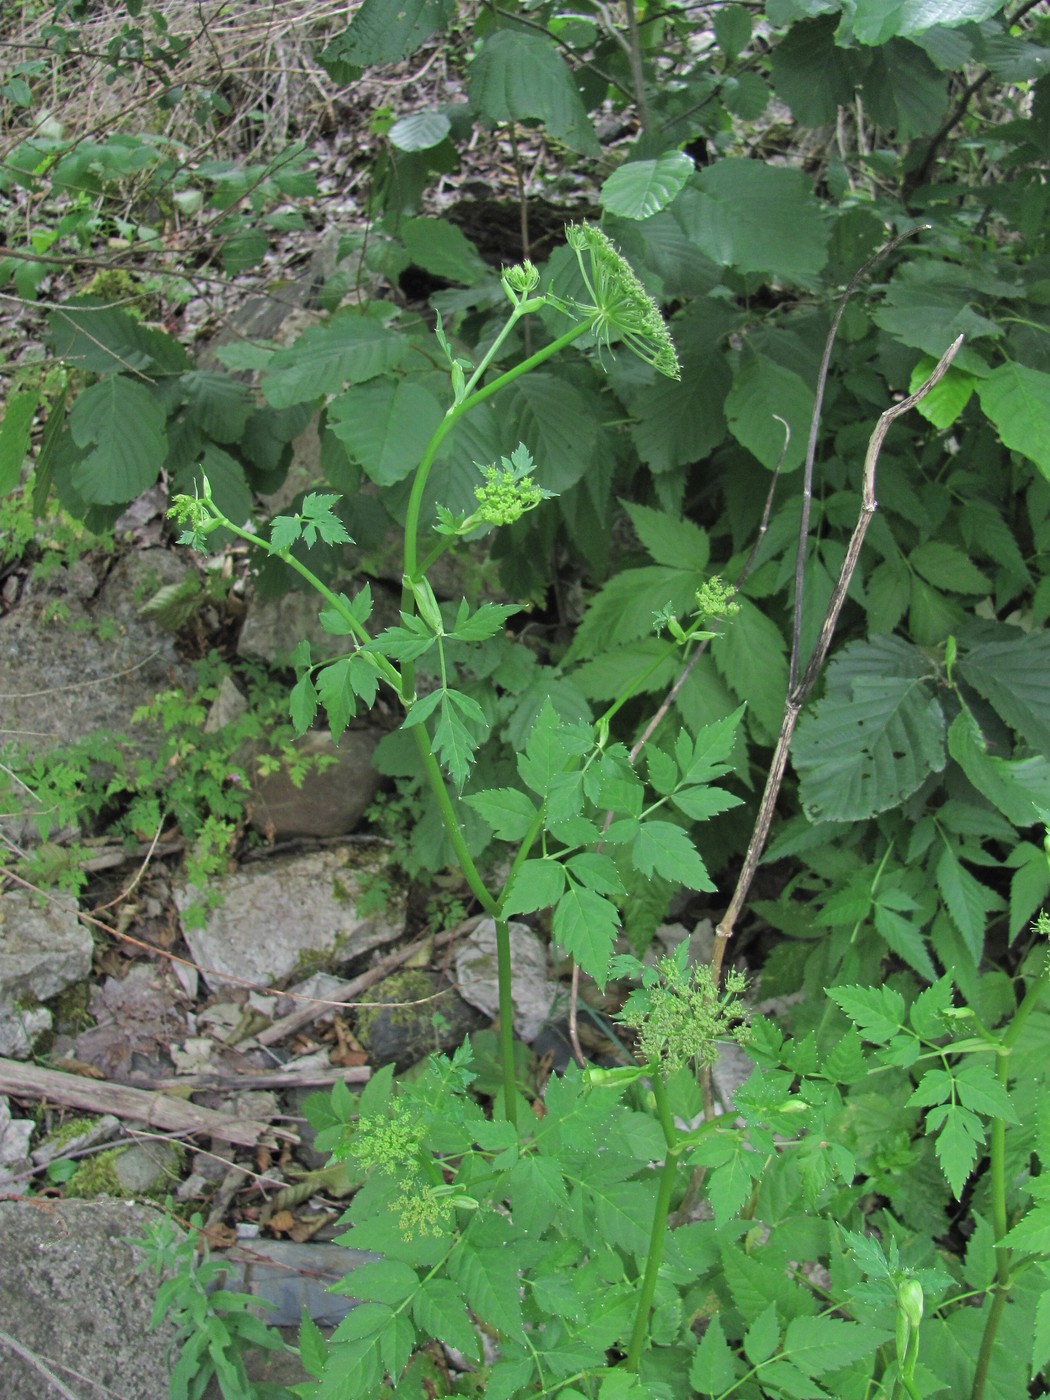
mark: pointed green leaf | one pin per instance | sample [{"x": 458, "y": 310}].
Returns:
[
  {"x": 760, "y": 1339},
  {"x": 713, "y": 1367},
  {"x": 877, "y": 1012},
  {"x": 670, "y": 540},
  {"x": 968, "y": 901},
  {"x": 959, "y": 1133},
  {"x": 491, "y": 1286},
  {"x": 667, "y": 849},
  {"x": 336, "y": 692},
  {"x": 439, "y": 1310},
  {"x": 979, "y": 1089},
  {"x": 508, "y": 811},
  {"x": 821, "y": 1344},
  {"x": 538, "y": 884},
  {"x": 302, "y": 704},
  {"x": 586, "y": 925}
]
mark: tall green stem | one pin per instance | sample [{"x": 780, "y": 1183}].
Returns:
[
  {"x": 658, "y": 1230},
  {"x": 997, "y": 1169},
  {"x": 451, "y": 418},
  {"x": 506, "y": 1020}
]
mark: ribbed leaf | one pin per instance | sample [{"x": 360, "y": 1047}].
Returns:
[
  {"x": 519, "y": 76},
  {"x": 876, "y": 21},
  {"x": 420, "y": 131},
  {"x": 641, "y": 188},
  {"x": 764, "y": 392},
  {"x": 125, "y": 424},
  {"x": 1014, "y": 677},
  {"x": 385, "y": 31},
  {"x": 1017, "y": 400},
  {"x": 348, "y": 350},
  {"x": 444, "y": 250},
  {"x": 385, "y": 426},
  {"x": 759, "y": 218},
  {"x": 872, "y": 740}
]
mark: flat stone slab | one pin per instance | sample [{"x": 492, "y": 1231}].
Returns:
[
  {"x": 477, "y": 981},
  {"x": 72, "y": 1303},
  {"x": 275, "y": 911}
]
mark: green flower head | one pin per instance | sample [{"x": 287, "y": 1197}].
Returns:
[
  {"x": 624, "y": 308},
  {"x": 509, "y": 489}
]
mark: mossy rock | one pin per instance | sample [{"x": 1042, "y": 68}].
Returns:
[{"x": 424, "y": 1015}]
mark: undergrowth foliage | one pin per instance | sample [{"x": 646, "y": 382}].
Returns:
[{"x": 868, "y": 1219}]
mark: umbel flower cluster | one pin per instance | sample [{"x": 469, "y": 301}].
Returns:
[{"x": 622, "y": 308}]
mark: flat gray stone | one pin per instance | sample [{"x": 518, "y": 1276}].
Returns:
[
  {"x": 477, "y": 982},
  {"x": 43, "y": 950},
  {"x": 95, "y": 662},
  {"x": 71, "y": 1300},
  {"x": 329, "y": 802},
  {"x": 275, "y": 911}
]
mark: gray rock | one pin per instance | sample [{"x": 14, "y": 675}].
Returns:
[
  {"x": 148, "y": 1168},
  {"x": 330, "y": 802},
  {"x": 276, "y": 911},
  {"x": 94, "y": 663},
  {"x": 274, "y": 626},
  {"x": 70, "y": 1300},
  {"x": 43, "y": 950},
  {"x": 533, "y": 991},
  {"x": 15, "y": 1136}
]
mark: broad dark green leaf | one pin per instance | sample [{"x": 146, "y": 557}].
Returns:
[
  {"x": 521, "y": 76},
  {"x": 441, "y": 248},
  {"x": 764, "y": 392},
  {"x": 121, "y": 420},
  {"x": 756, "y": 217},
  {"x": 349, "y": 349},
  {"x": 1012, "y": 677},
  {"x": 1017, "y": 400},
  {"x": 385, "y": 426},
  {"x": 106, "y": 340},
  {"x": 874, "y": 737},
  {"x": 876, "y": 21},
  {"x": 385, "y": 31}
]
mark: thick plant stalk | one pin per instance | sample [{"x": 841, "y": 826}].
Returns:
[
  {"x": 997, "y": 1169},
  {"x": 799, "y": 692},
  {"x": 658, "y": 1230},
  {"x": 506, "y": 1020}
]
